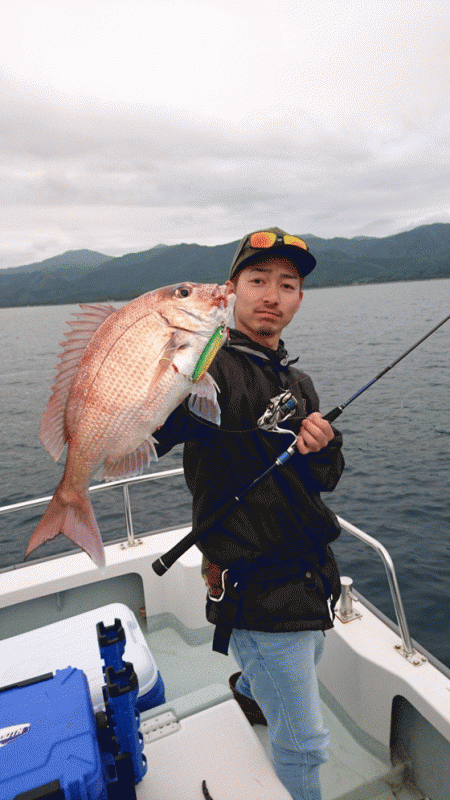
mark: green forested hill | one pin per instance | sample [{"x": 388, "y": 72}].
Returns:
[
  {"x": 79, "y": 259},
  {"x": 82, "y": 275}
]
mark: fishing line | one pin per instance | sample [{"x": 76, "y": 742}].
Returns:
[
  {"x": 336, "y": 412},
  {"x": 164, "y": 562},
  {"x": 238, "y": 430},
  {"x": 373, "y": 340}
]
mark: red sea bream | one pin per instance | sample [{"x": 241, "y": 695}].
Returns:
[{"x": 121, "y": 373}]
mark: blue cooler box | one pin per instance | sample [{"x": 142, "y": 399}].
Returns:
[{"x": 48, "y": 739}]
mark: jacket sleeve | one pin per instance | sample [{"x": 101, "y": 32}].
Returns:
[
  {"x": 321, "y": 471},
  {"x": 178, "y": 427},
  {"x": 182, "y": 425}
]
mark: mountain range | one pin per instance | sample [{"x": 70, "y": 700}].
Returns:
[{"x": 87, "y": 276}]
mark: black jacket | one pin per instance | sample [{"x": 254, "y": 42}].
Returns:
[{"x": 284, "y": 517}]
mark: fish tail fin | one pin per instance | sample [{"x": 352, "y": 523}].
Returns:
[{"x": 70, "y": 513}]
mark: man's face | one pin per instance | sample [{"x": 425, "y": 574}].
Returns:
[{"x": 268, "y": 295}]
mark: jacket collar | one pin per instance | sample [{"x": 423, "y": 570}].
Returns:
[{"x": 278, "y": 357}]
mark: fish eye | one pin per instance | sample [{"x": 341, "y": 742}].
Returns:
[{"x": 183, "y": 291}]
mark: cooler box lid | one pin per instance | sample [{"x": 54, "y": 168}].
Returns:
[{"x": 73, "y": 642}]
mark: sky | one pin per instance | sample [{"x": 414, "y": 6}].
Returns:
[{"x": 129, "y": 123}]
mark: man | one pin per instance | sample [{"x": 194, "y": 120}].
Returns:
[{"x": 271, "y": 574}]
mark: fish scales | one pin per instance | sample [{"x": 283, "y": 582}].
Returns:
[
  {"x": 117, "y": 408},
  {"x": 121, "y": 373}
]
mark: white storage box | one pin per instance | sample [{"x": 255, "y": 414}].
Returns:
[{"x": 73, "y": 642}]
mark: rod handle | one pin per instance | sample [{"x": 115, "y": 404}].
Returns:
[
  {"x": 164, "y": 562},
  {"x": 159, "y": 567},
  {"x": 334, "y": 414}
]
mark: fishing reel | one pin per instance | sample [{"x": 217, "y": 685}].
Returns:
[{"x": 279, "y": 409}]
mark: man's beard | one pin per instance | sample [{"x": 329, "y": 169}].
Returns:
[{"x": 265, "y": 332}]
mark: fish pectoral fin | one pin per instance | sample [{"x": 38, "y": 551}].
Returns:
[
  {"x": 203, "y": 400},
  {"x": 132, "y": 463},
  {"x": 178, "y": 341}
]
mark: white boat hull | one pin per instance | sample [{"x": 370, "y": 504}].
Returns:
[{"x": 369, "y": 687}]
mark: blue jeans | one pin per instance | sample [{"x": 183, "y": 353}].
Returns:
[{"x": 278, "y": 672}]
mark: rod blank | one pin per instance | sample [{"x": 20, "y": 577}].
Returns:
[
  {"x": 164, "y": 562},
  {"x": 336, "y": 412}
]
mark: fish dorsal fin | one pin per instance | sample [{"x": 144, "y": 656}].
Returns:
[
  {"x": 52, "y": 431},
  {"x": 132, "y": 463}
]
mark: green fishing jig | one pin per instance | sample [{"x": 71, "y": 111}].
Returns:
[{"x": 208, "y": 354}]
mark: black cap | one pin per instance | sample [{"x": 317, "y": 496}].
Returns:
[{"x": 246, "y": 255}]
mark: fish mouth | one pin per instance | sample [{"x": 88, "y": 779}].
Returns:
[
  {"x": 222, "y": 306},
  {"x": 223, "y": 296},
  {"x": 225, "y": 301},
  {"x": 222, "y": 302}
]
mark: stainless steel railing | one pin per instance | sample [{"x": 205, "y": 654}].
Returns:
[
  {"x": 102, "y": 487},
  {"x": 392, "y": 580},
  {"x": 407, "y": 648}
]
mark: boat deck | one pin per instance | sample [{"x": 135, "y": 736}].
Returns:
[
  {"x": 196, "y": 679},
  {"x": 200, "y": 733}
]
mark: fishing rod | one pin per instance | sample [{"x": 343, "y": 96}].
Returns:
[
  {"x": 336, "y": 412},
  {"x": 280, "y": 409}
]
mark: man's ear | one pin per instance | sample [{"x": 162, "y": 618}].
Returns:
[{"x": 300, "y": 300}]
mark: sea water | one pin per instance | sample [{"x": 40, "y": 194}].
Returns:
[{"x": 396, "y": 485}]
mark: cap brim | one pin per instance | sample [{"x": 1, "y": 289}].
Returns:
[{"x": 303, "y": 260}]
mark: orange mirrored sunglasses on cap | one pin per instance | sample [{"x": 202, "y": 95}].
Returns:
[
  {"x": 262, "y": 239},
  {"x": 259, "y": 243}
]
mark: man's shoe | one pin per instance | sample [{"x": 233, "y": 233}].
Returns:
[{"x": 251, "y": 709}]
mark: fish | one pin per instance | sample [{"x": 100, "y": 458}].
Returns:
[{"x": 121, "y": 374}]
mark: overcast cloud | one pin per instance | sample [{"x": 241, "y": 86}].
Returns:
[{"x": 128, "y": 123}]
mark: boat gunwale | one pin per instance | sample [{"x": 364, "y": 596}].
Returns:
[{"x": 348, "y": 527}]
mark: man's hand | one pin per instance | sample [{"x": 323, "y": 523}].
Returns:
[{"x": 315, "y": 434}]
